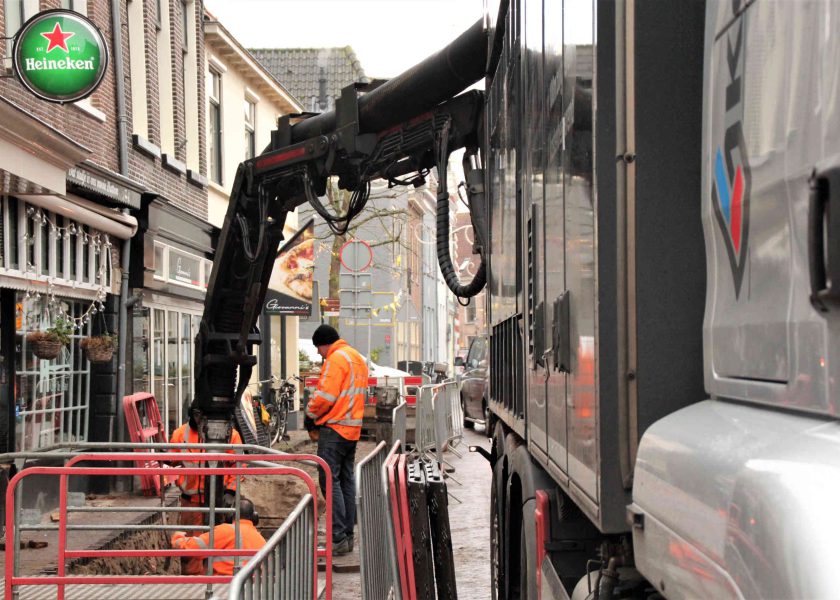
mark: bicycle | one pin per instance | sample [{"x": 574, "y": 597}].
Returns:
[
  {"x": 279, "y": 406},
  {"x": 269, "y": 417}
]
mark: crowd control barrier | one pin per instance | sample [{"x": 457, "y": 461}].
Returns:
[
  {"x": 283, "y": 567},
  {"x": 260, "y": 465},
  {"x": 375, "y": 552},
  {"x": 398, "y": 424},
  {"x": 440, "y": 420}
]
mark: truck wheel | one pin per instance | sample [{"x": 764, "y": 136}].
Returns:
[{"x": 497, "y": 584}]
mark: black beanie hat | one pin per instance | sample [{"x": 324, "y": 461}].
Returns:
[{"x": 324, "y": 336}]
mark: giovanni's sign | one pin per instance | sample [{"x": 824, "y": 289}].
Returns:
[{"x": 60, "y": 56}]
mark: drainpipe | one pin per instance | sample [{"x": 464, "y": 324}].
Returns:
[{"x": 122, "y": 142}]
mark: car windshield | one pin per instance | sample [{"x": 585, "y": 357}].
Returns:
[{"x": 476, "y": 354}]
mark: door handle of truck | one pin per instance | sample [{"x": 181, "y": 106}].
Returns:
[{"x": 824, "y": 238}]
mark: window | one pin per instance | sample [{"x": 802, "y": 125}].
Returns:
[
  {"x": 178, "y": 267},
  {"x": 185, "y": 26},
  {"x": 17, "y": 12},
  {"x": 170, "y": 355},
  {"x": 159, "y": 15},
  {"x": 52, "y": 247},
  {"x": 51, "y": 396},
  {"x": 250, "y": 117},
  {"x": 79, "y": 6},
  {"x": 214, "y": 117}
]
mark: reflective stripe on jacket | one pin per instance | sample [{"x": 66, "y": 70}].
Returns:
[
  {"x": 224, "y": 539},
  {"x": 339, "y": 399},
  {"x": 192, "y": 484}
]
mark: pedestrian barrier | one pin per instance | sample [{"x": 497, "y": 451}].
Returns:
[
  {"x": 145, "y": 425},
  {"x": 375, "y": 552},
  {"x": 260, "y": 464},
  {"x": 440, "y": 420},
  {"x": 424, "y": 427},
  {"x": 394, "y": 534},
  {"x": 398, "y": 424},
  {"x": 282, "y": 568}
]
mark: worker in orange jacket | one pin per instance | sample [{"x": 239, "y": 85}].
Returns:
[
  {"x": 192, "y": 486},
  {"x": 337, "y": 408},
  {"x": 224, "y": 538}
]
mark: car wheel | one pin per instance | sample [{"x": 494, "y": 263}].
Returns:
[{"x": 467, "y": 423}]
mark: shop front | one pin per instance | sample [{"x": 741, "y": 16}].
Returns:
[{"x": 173, "y": 261}]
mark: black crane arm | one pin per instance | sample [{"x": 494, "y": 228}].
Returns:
[{"x": 409, "y": 124}]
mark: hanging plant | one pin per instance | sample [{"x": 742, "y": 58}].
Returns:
[
  {"x": 47, "y": 344},
  {"x": 99, "y": 348}
]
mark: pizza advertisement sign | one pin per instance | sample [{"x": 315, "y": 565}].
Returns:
[{"x": 290, "y": 285}]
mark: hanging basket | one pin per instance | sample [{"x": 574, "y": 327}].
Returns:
[
  {"x": 99, "y": 355},
  {"x": 46, "y": 349}
]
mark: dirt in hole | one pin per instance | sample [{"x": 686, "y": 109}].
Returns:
[
  {"x": 275, "y": 497},
  {"x": 144, "y": 565}
]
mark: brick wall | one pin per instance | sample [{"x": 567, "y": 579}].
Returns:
[{"x": 101, "y": 137}]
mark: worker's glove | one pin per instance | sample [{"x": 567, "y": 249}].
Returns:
[
  {"x": 309, "y": 423},
  {"x": 229, "y": 498}
]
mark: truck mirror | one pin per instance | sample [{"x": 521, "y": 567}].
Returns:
[{"x": 459, "y": 361}]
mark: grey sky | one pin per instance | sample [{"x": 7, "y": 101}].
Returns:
[{"x": 388, "y": 36}]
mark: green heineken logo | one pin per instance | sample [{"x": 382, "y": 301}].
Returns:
[{"x": 60, "y": 56}]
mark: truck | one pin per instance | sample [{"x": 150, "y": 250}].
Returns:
[{"x": 653, "y": 187}]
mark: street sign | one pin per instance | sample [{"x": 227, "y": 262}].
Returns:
[
  {"x": 356, "y": 255},
  {"x": 60, "y": 56}
]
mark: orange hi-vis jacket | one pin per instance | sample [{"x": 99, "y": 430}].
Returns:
[
  {"x": 339, "y": 400},
  {"x": 192, "y": 484},
  {"x": 224, "y": 538}
]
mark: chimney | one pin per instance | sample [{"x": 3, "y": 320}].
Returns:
[{"x": 322, "y": 90}]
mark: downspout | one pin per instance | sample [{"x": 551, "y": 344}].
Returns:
[{"x": 122, "y": 143}]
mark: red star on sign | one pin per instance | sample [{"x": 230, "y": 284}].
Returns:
[{"x": 58, "y": 39}]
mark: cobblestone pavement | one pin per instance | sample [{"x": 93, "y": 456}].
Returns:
[{"x": 469, "y": 522}]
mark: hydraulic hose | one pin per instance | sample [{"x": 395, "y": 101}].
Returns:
[{"x": 444, "y": 258}]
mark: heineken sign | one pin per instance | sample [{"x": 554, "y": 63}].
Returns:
[{"x": 60, "y": 56}]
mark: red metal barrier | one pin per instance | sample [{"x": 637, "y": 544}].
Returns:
[
  {"x": 62, "y": 579},
  {"x": 148, "y": 430},
  {"x": 402, "y": 529}
]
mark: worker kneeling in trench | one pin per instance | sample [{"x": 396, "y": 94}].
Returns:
[{"x": 224, "y": 538}]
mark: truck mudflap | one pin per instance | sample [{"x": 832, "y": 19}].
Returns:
[{"x": 735, "y": 501}]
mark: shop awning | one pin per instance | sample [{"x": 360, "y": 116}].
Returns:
[{"x": 80, "y": 210}]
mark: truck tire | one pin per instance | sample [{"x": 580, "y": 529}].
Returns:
[{"x": 497, "y": 570}]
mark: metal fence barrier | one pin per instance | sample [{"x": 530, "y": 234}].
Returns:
[
  {"x": 374, "y": 549},
  {"x": 440, "y": 420},
  {"x": 398, "y": 424},
  {"x": 424, "y": 429},
  {"x": 262, "y": 464},
  {"x": 391, "y": 515},
  {"x": 283, "y": 567}
]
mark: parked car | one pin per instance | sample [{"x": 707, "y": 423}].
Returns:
[{"x": 474, "y": 383}]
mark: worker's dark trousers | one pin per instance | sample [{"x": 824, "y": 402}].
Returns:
[{"x": 340, "y": 455}]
